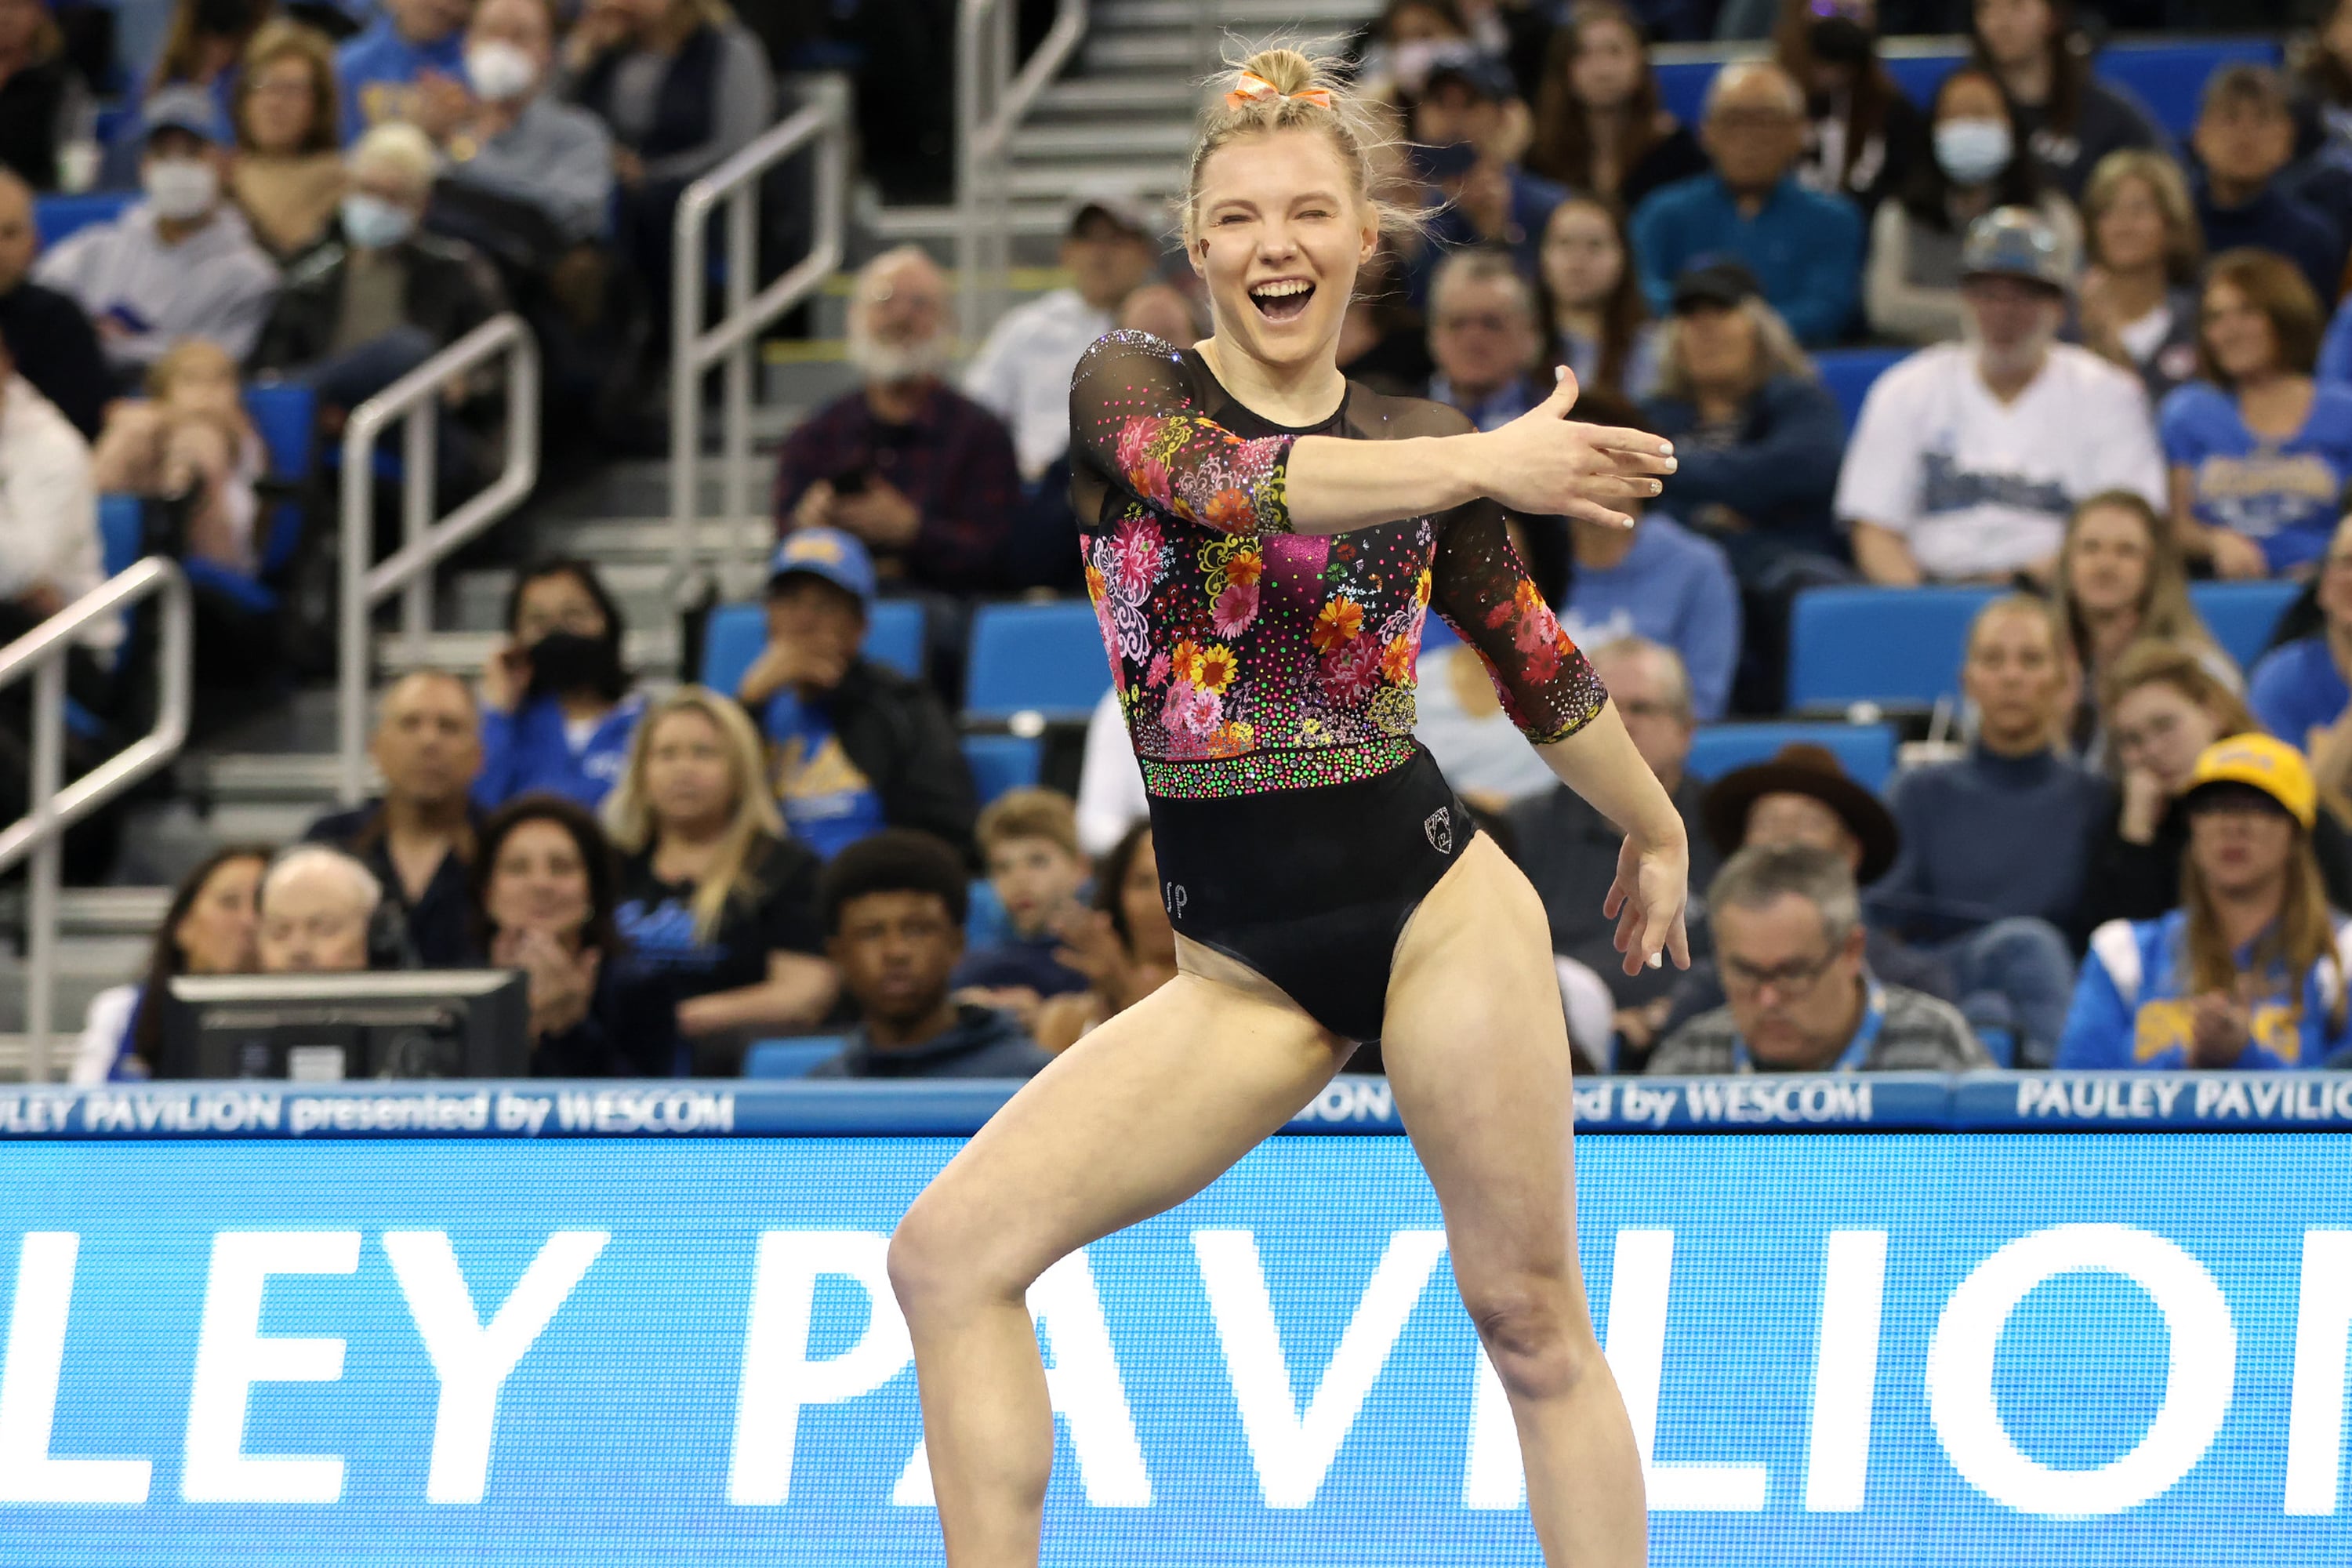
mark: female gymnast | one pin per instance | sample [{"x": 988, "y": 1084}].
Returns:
[{"x": 1263, "y": 539}]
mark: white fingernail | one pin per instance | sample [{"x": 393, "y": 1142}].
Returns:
[
  {"x": 1666, "y": 449},
  {"x": 1657, "y": 960}
]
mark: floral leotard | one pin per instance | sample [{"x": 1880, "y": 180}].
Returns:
[{"x": 1248, "y": 657}]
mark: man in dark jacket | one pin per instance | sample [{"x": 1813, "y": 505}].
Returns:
[
  {"x": 854, "y": 747},
  {"x": 380, "y": 297},
  {"x": 894, "y": 912},
  {"x": 54, "y": 345}
]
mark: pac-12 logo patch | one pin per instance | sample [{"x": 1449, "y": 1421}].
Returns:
[{"x": 1439, "y": 826}]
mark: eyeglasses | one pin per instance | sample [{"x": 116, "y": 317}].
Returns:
[{"x": 1794, "y": 980}]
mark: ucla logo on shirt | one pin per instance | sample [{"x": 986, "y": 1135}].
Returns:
[
  {"x": 2262, "y": 493},
  {"x": 2165, "y": 1026}
]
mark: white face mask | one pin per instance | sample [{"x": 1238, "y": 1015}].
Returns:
[
  {"x": 501, "y": 72},
  {"x": 1972, "y": 150},
  {"x": 373, "y": 224},
  {"x": 180, "y": 188}
]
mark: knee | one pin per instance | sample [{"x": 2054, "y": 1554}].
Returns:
[
  {"x": 1538, "y": 1338},
  {"x": 941, "y": 1265},
  {"x": 2023, "y": 945}
]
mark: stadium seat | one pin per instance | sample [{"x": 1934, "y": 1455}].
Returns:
[
  {"x": 285, "y": 415},
  {"x": 735, "y": 634},
  {"x": 120, "y": 522},
  {"x": 2243, "y": 616},
  {"x": 1046, "y": 659},
  {"x": 1002, "y": 762},
  {"x": 790, "y": 1057},
  {"x": 1849, "y": 372},
  {"x": 1866, "y": 750},
  {"x": 1898, "y": 648},
  {"x": 57, "y": 216}
]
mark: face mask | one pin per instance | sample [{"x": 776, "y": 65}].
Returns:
[
  {"x": 501, "y": 72},
  {"x": 180, "y": 188},
  {"x": 1972, "y": 150},
  {"x": 373, "y": 224},
  {"x": 566, "y": 661}
]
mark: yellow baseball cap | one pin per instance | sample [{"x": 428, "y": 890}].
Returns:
[{"x": 2263, "y": 763}]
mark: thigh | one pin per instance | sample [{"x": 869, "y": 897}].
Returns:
[
  {"x": 1477, "y": 1056},
  {"x": 1133, "y": 1118}
]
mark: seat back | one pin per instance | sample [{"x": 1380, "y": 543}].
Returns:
[
  {"x": 1046, "y": 659},
  {"x": 2243, "y": 616},
  {"x": 1898, "y": 648},
  {"x": 1849, "y": 372},
  {"x": 1000, "y": 763},
  {"x": 1867, "y": 752}
]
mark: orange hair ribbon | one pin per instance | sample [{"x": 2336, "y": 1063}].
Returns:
[{"x": 1254, "y": 88}]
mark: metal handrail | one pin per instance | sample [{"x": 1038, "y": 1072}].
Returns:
[
  {"x": 694, "y": 351},
  {"x": 57, "y": 805},
  {"x": 991, "y": 100},
  {"x": 415, "y": 399}
]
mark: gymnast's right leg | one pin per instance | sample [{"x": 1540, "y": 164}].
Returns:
[{"x": 1132, "y": 1119}]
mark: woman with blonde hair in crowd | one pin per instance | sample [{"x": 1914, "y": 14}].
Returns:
[
  {"x": 286, "y": 112},
  {"x": 2248, "y": 971},
  {"x": 2165, "y": 704},
  {"x": 2120, "y": 582},
  {"x": 2137, "y": 303},
  {"x": 719, "y": 908}
]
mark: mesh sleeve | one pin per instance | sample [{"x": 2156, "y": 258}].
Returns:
[
  {"x": 1477, "y": 583},
  {"x": 1136, "y": 427}
]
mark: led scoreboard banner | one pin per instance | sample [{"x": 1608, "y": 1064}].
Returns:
[{"x": 1862, "y": 1321}]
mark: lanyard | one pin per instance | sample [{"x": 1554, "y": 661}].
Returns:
[{"x": 1857, "y": 1050}]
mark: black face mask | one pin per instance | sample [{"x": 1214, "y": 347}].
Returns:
[
  {"x": 565, "y": 661},
  {"x": 1840, "y": 41}
]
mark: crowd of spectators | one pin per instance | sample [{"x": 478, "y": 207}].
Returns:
[{"x": 2124, "y": 363}]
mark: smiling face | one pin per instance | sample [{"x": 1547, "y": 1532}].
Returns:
[
  {"x": 216, "y": 936},
  {"x": 538, "y": 882},
  {"x": 2238, "y": 332},
  {"x": 1279, "y": 231}
]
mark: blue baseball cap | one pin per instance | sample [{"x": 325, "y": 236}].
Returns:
[
  {"x": 837, "y": 557},
  {"x": 182, "y": 107}
]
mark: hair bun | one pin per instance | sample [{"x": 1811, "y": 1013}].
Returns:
[{"x": 1287, "y": 71}]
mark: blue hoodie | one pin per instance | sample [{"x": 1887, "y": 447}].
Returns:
[
  {"x": 527, "y": 751},
  {"x": 2131, "y": 1004},
  {"x": 1673, "y": 587},
  {"x": 373, "y": 71}
]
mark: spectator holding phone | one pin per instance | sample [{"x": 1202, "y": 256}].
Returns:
[
  {"x": 180, "y": 263},
  {"x": 923, "y": 477}
]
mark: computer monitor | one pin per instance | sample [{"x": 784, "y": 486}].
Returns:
[{"x": 434, "y": 1023}]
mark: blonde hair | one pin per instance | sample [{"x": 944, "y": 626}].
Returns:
[
  {"x": 181, "y": 357},
  {"x": 1046, "y": 814},
  {"x": 629, "y": 815},
  {"x": 2184, "y": 240},
  {"x": 280, "y": 40},
  {"x": 399, "y": 147},
  {"x": 1356, "y": 128},
  {"x": 1777, "y": 352}
]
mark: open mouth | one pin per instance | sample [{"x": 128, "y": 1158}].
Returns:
[{"x": 1283, "y": 300}]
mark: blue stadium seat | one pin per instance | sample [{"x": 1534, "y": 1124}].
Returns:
[
  {"x": 1899, "y": 647},
  {"x": 735, "y": 634},
  {"x": 56, "y": 216},
  {"x": 285, "y": 415},
  {"x": 1867, "y": 752},
  {"x": 119, "y": 525},
  {"x": 2243, "y": 616},
  {"x": 1849, "y": 372},
  {"x": 1046, "y": 658},
  {"x": 1002, "y": 762},
  {"x": 790, "y": 1057}
]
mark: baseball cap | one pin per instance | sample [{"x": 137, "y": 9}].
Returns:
[
  {"x": 182, "y": 107},
  {"x": 1720, "y": 281},
  {"x": 2013, "y": 242},
  {"x": 1120, "y": 207},
  {"x": 826, "y": 553},
  {"x": 2262, "y": 762}
]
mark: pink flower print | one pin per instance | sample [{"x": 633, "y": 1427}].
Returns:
[
  {"x": 1351, "y": 669},
  {"x": 1138, "y": 546},
  {"x": 1158, "y": 671},
  {"x": 1234, "y": 609},
  {"x": 1537, "y": 629},
  {"x": 1189, "y": 710},
  {"x": 1134, "y": 447}
]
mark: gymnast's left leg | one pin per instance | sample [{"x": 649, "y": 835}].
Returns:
[{"x": 1477, "y": 1051}]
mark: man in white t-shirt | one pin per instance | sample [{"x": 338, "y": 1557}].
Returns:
[
  {"x": 1969, "y": 456},
  {"x": 1022, "y": 374}
]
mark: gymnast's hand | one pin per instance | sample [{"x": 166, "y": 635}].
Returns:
[
  {"x": 1647, "y": 902},
  {"x": 1543, "y": 463}
]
